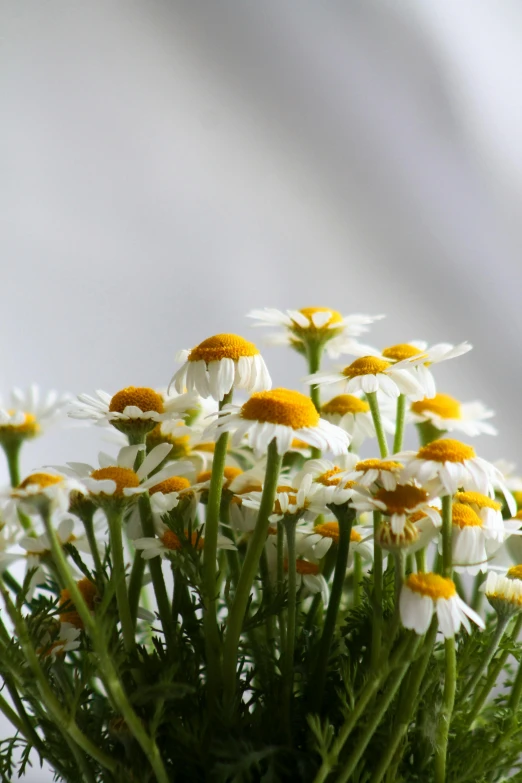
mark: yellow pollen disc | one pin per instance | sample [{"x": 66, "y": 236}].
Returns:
[
  {"x": 401, "y": 351},
  {"x": 328, "y": 530},
  {"x": 299, "y": 444},
  {"x": 366, "y": 365},
  {"x": 403, "y": 497},
  {"x": 432, "y": 585},
  {"x": 304, "y": 567},
  {"x": 230, "y": 473},
  {"x": 222, "y": 346},
  {"x": 29, "y": 426},
  {"x": 180, "y": 445},
  {"x": 172, "y": 484},
  {"x": 345, "y": 403},
  {"x": 477, "y": 499},
  {"x": 124, "y": 477},
  {"x": 140, "y": 396},
  {"x": 355, "y": 537},
  {"x": 464, "y": 516},
  {"x": 330, "y": 479},
  {"x": 170, "y": 541},
  {"x": 377, "y": 464},
  {"x": 515, "y": 572},
  {"x": 281, "y": 406},
  {"x": 308, "y": 312},
  {"x": 40, "y": 479},
  {"x": 418, "y": 515},
  {"x": 446, "y": 450},
  {"x": 89, "y": 593},
  {"x": 441, "y": 405}
]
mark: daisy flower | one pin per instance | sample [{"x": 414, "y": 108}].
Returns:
[
  {"x": 69, "y": 613},
  {"x": 66, "y": 641},
  {"x": 219, "y": 364},
  {"x": 316, "y": 543},
  {"x": 353, "y": 414},
  {"x": 504, "y": 593},
  {"x": 317, "y": 324},
  {"x": 309, "y": 576},
  {"x": 330, "y": 480},
  {"x": 423, "y": 594},
  {"x": 418, "y": 349},
  {"x": 28, "y": 413},
  {"x": 279, "y": 415},
  {"x": 370, "y": 473},
  {"x": 167, "y": 542},
  {"x": 468, "y": 540},
  {"x": 398, "y": 504},
  {"x": 489, "y": 510},
  {"x": 417, "y": 532},
  {"x": 38, "y": 492},
  {"x": 447, "y": 414},
  {"x": 452, "y": 465},
  {"x": 295, "y": 500},
  {"x": 370, "y": 374}
]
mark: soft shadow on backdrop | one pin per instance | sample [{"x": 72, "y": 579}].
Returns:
[{"x": 167, "y": 166}]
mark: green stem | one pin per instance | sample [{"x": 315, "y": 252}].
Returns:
[
  {"x": 288, "y": 658},
  {"x": 420, "y": 559},
  {"x": 345, "y": 517},
  {"x": 114, "y": 519},
  {"x": 477, "y": 594},
  {"x": 377, "y": 594},
  {"x": 399, "y": 426},
  {"x": 158, "y": 581},
  {"x": 106, "y": 668},
  {"x": 357, "y": 579},
  {"x": 314, "y": 352},
  {"x": 88, "y": 524},
  {"x": 12, "y": 452},
  {"x": 502, "y": 623},
  {"x": 135, "y": 583},
  {"x": 428, "y": 433},
  {"x": 248, "y": 572},
  {"x": 447, "y": 536},
  {"x": 210, "y": 622},
  {"x": 377, "y": 423},
  {"x": 406, "y": 706},
  {"x": 281, "y": 582},
  {"x": 516, "y": 691},
  {"x": 329, "y": 562}
]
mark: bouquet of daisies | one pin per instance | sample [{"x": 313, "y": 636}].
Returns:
[{"x": 261, "y": 584}]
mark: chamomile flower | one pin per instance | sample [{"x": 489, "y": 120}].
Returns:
[
  {"x": 29, "y": 412},
  {"x": 66, "y": 640},
  {"x": 418, "y": 349},
  {"x": 309, "y": 576},
  {"x": 330, "y": 480},
  {"x": 167, "y": 542},
  {"x": 370, "y": 473},
  {"x": 353, "y": 414},
  {"x": 370, "y": 374},
  {"x": 69, "y": 613},
  {"x": 317, "y": 324},
  {"x": 451, "y": 465},
  {"x": 295, "y": 500},
  {"x": 315, "y": 543},
  {"x": 504, "y": 593},
  {"x": 468, "y": 539},
  {"x": 488, "y": 509},
  {"x": 398, "y": 504},
  {"x": 219, "y": 364},
  {"x": 40, "y": 491},
  {"x": 423, "y": 594},
  {"x": 447, "y": 414},
  {"x": 417, "y": 532},
  {"x": 280, "y": 415}
]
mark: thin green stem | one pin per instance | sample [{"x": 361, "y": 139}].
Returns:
[
  {"x": 12, "y": 450},
  {"x": 210, "y": 622},
  {"x": 516, "y": 691},
  {"x": 428, "y": 433},
  {"x": 345, "y": 517},
  {"x": 377, "y": 594},
  {"x": 114, "y": 518},
  {"x": 314, "y": 352},
  {"x": 288, "y": 658},
  {"x": 477, "y": 595},
  {"x": 447, "y": 551},
  {"x": 502, "y": 623},
  {"x": 88, "y": 524},
  {"x": 281, "y": 582},
  {"x": 248, "y": 572},
  {"x": 377, "y": 423},
  {"x": 357, "y": 579},
  {"x": 420, "y": 559},
  {"x": 399, "y": 425},
  {"x": 135, "y": 584}
]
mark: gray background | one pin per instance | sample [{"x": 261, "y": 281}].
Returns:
[{"x": 166, "y": 166}]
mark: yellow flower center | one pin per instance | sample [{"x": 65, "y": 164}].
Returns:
[
  {"x": 281, "y": 406},
  {"x": 172, "y": 484},
  {"x": 208, "y": 447},
  {"x": 41, "y": 480},
  {"x": 304, "y": 567},
  {"x": 328, "y": 530},
  {"x": 222, "y": 346},
  {"x": 308, "y": 312},
  {"x": 140, "y": 396},
  {"x": 441, "y": 405},
  {"x": 418, "y": 515},
  {"x": 464, "y": 516},
  {"x": 180, "y": 445},
  {"x": 123, "y": 477},
  {"x": 299, "y": 444},
  {"x": 29, "y": 427},
  {"x": 515, "y": 572},
  {"x": 230, "y": 473},
  {"x": 366, "y": 365},
  {"x": 377, "y": 464},
  {"x": 401, "y": 351},
  {"x": 402, "y": 498},
  {"x": 432, "y": 585},
  {"x": 331, "y": 478},
  {"x": 477, "y": 499},
  {"x": 345, "y": 403},
  {"x": 89, "y": 593},
  {"x": 355, "y": 537},
  {"x": 446, "y": 450},
  {"x": 170, "y": 541}
]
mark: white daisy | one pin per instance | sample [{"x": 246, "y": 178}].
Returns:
[
  {"x": 330, "y": 480},
  {"x": 219, "y": 364},
  {"x": 309, "y": 576},
  {"x": 320, "y": 324},
  {"x": 167, "y": 542},
  {"x": 370, "y": 374},
  {"x": 371, "y": 473},
  {"x": 423, "y": 594},
  {"x": 66, "y": 641},
  {"x": 315, "y": 543},
  {"x": 449, "y": 415},
  {"x": 38, "y": 549},
  {"x": 282, "y": 415},
  {"x": 29, "y": 411},
  {"x": 404, "y": 352},
  {"x": 353, "y": 415},
  {"x": 398, "y": 504},
  {"x": 294, "y": 499},
  {"x": 504, "y": 593},
  {"x": 38, "y": 491},
  {"x": 448, "y": 465}
]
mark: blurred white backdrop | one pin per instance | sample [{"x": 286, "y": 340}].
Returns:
[{"x": 167, "y": 166}]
